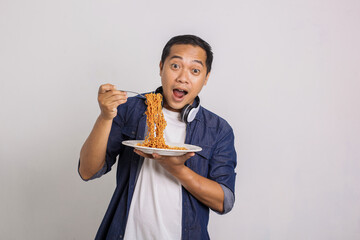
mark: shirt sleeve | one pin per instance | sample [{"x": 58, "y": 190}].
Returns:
[
  {"x": 96, "y": 175},
  {"x": 229, "y": 200},
  {"x": 222, "y": 166},
  {"x": 223, "y": 161}
]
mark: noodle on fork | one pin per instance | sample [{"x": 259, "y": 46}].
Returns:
[{"x": 156, "y": 123}]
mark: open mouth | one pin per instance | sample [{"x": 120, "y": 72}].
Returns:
[{"x": 179, "y": 93}]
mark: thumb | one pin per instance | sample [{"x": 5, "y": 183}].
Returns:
[
  {"x": 188, "y": 155},
  {"x": 106, "y": 87}
]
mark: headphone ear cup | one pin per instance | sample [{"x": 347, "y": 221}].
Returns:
[
  {"x": 185, "y": 113},
  {"x": 192, "y": 114}
]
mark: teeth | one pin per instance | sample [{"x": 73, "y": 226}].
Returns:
[{"x": 180, "y": 90}]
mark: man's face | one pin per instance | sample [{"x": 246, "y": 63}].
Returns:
[{"x": 183, "y": 74}]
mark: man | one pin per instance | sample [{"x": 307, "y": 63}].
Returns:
[{"x": 164, "y": 197}]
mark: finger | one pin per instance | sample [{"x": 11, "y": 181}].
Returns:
[
  {"x": 113, "y": 96},
  {"x": 143, "y": 154},
  {"x": 106, "y": 87},
  {"x": 183, "y": 157},
  {"x": 106, "y": 100},
  {"x": 110, "y": 107},
  {"x": 114, "y": 110},
  {"x": 156, "y": 156},
  {"x": 117, "y": 103},
  {"x": 113, "y": 92},
  {"x": 186, "y": 156}
]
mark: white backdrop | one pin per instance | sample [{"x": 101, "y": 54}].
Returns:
[{"x": 285, "y": 76}]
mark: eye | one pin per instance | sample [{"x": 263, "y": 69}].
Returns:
[
  {"x": 196, "y": 71},
  {"x": 175, "y": 66}
]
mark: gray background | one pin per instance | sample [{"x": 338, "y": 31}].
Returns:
[{"x": 285, "y": 76}]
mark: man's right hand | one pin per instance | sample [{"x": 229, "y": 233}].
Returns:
[{"x": 109, "y": 99}]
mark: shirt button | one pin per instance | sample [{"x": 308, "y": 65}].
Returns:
[{"x": 121, "y": 236}]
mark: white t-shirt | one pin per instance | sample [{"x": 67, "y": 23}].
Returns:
[{"x": 156, "y": 207}]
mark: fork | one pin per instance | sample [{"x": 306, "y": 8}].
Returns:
[{"x": 134, "y": 93}]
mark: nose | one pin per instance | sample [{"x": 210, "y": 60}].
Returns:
[{"x": 182, "y": 77}]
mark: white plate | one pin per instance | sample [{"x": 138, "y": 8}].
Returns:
[{"x": 163, "y": 152}]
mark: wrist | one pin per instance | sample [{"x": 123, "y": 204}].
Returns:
[
  {"x": 180, "y": 171},
  {"x": 103, "y": 118}
]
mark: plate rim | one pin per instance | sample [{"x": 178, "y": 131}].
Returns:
[{"x": 198, "y": 149}]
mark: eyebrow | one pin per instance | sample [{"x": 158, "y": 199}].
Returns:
[{"x": 198, "y": 61}]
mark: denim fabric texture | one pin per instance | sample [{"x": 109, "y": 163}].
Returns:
[{"x": 216, "y": 161}]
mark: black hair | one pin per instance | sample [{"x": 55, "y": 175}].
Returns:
[{"x": 192, "y": 40}]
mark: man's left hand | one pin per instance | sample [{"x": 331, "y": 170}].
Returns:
[{"x": 173, "y": 164}]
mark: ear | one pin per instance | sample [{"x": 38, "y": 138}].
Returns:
[
  {"x": 206, "y": 78},
  {"x": 161, "y": 67}
]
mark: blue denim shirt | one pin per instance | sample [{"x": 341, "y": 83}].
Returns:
[{"x": 216, "y": 161}]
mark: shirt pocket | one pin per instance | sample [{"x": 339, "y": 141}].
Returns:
[
  {"x": 200, "y": 162},
  {"x": 128, "y": 132}
]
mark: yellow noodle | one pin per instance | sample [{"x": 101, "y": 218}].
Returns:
[{"x": 156, "y": 124}]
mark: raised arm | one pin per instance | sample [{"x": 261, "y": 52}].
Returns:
[{"x": 93, "y": 151}]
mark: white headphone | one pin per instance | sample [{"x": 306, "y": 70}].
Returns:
[{"x": 188, "y": 113}]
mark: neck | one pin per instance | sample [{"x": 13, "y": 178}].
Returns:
[{"x": 170, "y": 108}]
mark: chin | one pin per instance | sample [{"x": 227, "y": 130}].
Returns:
[{"x": 174, "y": 107}]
